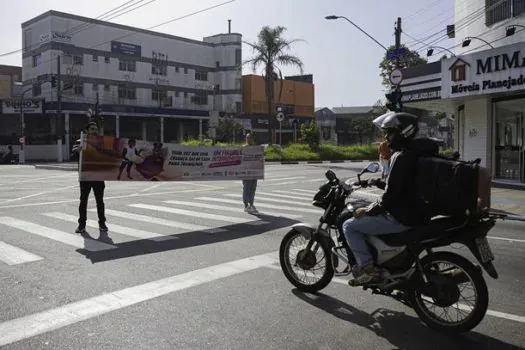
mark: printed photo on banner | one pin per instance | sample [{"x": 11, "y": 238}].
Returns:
[{"x": 106, "y": 158}]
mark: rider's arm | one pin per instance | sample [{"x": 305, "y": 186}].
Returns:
[{"x": 394, "y": 189}]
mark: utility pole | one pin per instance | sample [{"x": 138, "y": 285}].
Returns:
[
  {"x": 395, "y": 95},
  {"x": 59, "y": 101},
  {"x": 397, "y": 33}
]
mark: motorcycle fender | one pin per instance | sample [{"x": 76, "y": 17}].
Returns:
[{"x": 307, "y": 230}]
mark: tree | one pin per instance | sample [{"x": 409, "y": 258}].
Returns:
[
  {"x": 227, "y": 130},
  {"x": 386, "y": 66},
  {"x": 310, "y": 135},
  {"x": 271, "y": 50}
]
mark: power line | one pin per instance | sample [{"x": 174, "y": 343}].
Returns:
[
  {"x": 75, "y": 30},
  {"x": 134, "y": 31}
]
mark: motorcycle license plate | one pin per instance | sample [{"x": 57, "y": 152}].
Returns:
[{"x": 484, "y": 249}]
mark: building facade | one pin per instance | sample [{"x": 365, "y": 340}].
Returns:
[
  {"x": 9, "y": 76},
  {"x": 482, "y": 86},
  {"x": 149, "y": 85},
  {"x": 297, "y": 103}
]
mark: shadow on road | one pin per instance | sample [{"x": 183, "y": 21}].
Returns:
[
  {"x": 401, "y": 330},
  {"x": 186, "y": 239}
]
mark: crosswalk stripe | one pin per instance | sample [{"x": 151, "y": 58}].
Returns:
[
  {"x": 223, "y": 208},
  {"x": 293, "y": 182},
  {"x": 261, "y": 198},
  {"x": 160, "y": 221},
  {"x": 14, "y": 256},
  {"x": 262, "y": 205},
  {"x": 286, "y": 196},
  {"x": 305, "y": 191},
  {"x": 295, "y": 193},
  {"x": 286, "y": 178},
  {"x": 123, "y": 230},
  {"x": 56, "y": 235},
  {"x": 193, "y": 213}
]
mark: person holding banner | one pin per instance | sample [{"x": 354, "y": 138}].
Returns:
[
  {"x": 98, "y": 190},
  {"x": 249, "y": 186}
]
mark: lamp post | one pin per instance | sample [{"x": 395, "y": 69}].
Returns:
[
  {"x": 22, "y": 140},
  {"x": 468, "y": 39},
  {"x": 355, "y": 25}
]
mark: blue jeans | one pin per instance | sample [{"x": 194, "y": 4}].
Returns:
[
  {"x": 356, "y": 230},
  {"x": 248, "y": 191}
]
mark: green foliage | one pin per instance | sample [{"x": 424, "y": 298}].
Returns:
[
  {"x": 227, "y": 129},
  {"x": 324, "y": 152},
  {"x": 310, "y": 134},
  {"x": 387, "y": 66}
]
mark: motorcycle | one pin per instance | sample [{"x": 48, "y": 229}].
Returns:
[{"x": 408, "y": 261}]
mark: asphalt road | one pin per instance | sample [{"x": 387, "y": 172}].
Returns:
[{"x": 198, "y": 273}]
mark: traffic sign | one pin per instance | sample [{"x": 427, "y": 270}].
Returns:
[
  {"x": 280, "y": 116},
  {"x": 295, "y": 123},
  {"x": 396, "y": 77},
  {"x": 396, "y": 53},
  {"x": 22, "y": 139}
]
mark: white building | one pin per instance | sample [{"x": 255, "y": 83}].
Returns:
[
  {"x": 483, "y": 86},
  {"x": 150, "y": 85}
]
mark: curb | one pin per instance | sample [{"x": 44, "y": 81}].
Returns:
[{"x": 56, "y": 167}]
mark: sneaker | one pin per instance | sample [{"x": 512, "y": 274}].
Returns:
[
  {"x": 80, "y": 229},
  {"x": 366, "y": 275},
  {"x": 253, "y": 210},
  {"x": 246, "y": 209},
  {"x": 103, "y": 228}
]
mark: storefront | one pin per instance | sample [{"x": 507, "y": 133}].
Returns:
[{"x": 486, "y": 90}]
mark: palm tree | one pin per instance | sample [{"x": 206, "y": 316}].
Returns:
[{"x": 271, "y": 51}]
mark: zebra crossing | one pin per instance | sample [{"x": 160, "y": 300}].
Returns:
[{"x": 159, "y": 221}]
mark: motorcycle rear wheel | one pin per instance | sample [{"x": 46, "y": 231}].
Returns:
[
  {"x": 308, "y": 262},
  {"x": 448, "y": 292}
]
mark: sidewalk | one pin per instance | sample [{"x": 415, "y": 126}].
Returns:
[{"x": 507, "y": 200}]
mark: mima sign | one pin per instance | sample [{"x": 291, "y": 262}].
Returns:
[{"x": 500, "y": 63}]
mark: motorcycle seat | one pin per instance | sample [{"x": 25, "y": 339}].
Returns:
[{"x": 435, "y": 228}]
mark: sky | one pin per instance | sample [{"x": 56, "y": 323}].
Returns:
[{"x": 344, "y": 62}]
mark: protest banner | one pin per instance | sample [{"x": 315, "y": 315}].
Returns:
[{"x": 106, "y": 158}]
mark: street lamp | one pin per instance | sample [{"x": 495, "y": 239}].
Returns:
[
  {"x": 431, "y": 50},
  {"x": 468, "y": 39},
  {"x": 510, "y": 30},
  {"x": 21, "y": 155},
  {"x": 355, "y": 25}
]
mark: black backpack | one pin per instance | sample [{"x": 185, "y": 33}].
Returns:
[{"x": 452, "y": 187}]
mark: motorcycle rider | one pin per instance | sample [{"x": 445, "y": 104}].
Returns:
[{"x": 397, "y": 210}]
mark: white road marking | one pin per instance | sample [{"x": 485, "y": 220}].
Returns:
[
  {"x": 308, "y": 199},
  {"x": 262, "y": 205},
  {"x": 194, "y": 214},
  {"x": 38, "y": 194},
  {"x": 105, "y": 198},
  {"x": 150, "y": 188},
  {"x": 305, "y": 191},
  {"x": 223, "y": 208},
  {"x": 14, "y": 256},
  {"x": 507, "y": 239},
  {"x": 294, "y": 182},
  {"x": 498, "y": 314},
  {"x": 260, "y": 198},
  {"x": 123, "y": 230},
  {"x": 160, "y": 221},
  {"x": 295, "y": 193},
  {"x": 29, "y": 326},
  {"x": 74, "y": 240}
]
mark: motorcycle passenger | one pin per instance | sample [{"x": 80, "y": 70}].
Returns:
[{"x": 397, "y": 210}]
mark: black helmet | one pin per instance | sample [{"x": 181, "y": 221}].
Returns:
[{"x": 398, "y": 127}]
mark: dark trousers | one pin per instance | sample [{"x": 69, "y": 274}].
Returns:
[{"x": 98, "y": 190}]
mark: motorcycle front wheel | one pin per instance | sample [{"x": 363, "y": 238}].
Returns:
[
  {"x": 308, "y": 263},
  {"x": 440, "y": 302}
]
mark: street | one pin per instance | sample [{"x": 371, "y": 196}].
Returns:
[{"x": 188, "y": 269}]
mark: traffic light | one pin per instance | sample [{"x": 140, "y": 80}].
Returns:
[
  {"x": 54, "y": 81},
  {"x": 394, "y": 100}
]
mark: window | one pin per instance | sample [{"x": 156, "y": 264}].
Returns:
[
  {"x": 185, "y": 95},
  {"x": 200, "y": 98},
  {"x": 73, "y": 59},
  {"x": 106, "y": 87},
  {"x": 203, "y": 76},
  {"x": 77, "y": 59},
  {"x": 217, "y": 64},
  {"x": 107, "y": 59},
  {"x": 37, "y": 89},
  {"x": 238, "y": 56},
  {"x": 176, "y": 69},
  {"x": 185, "y": 70},
  {"x": 127, "y": 92},
  {"x": 95, "y": 58},
  {"x": 158, "y": 94},
  {"x": 95, "y": 87},
  {"x": 177, "y": 94},
  {"x": 127, "y": 66},
  {"x": 498, "y": 10},
  {"x": 74, "y": 87},
  {"x": 37, "y": 59},
  {"x": 27, "y": 39},
  {"x": 158, "y": 68}
]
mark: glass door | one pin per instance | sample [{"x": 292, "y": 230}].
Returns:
[{"x": 509, "y": 145}]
